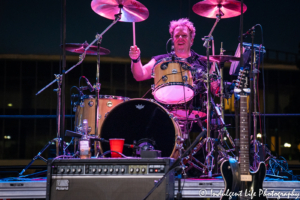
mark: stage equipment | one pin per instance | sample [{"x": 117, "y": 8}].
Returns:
[
  {"x": 173, "y": 81},
  {"x": 132, "y": 11},
  {"x": 239, "y": 177},
  {"x": 80, "y": 48},
  {"x": 85, "y": 109},
  {"x": 109, "y": 179},
  {"x": 143, "y": 122},
  {"x": 211, "y": 8}
]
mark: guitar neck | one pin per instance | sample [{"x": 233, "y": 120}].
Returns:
[{"x": 244, "y": 138}]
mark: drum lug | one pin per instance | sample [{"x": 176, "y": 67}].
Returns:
[
  {"x": 106, "y": 114},
  {"x": 152, "y": 86},
  {"x": 99, "y": 116},
  {"x": 179, "y": 146},
  {"x": 180, "y": 139},
  {"x": 174, "y": 71},
  {"x": 164, "y": 66},
  {"x": 82, "y": 104},
  {"x": 184, "y": 78},
  {"x": 171, "y": 115},
  {"x": 184, "y": 66},
  {"x": 164, "y": 78},
  {"x": 91, "y": 103},
  {"x": 109, "y": 104},
  {"x": 152, "y": 75}
]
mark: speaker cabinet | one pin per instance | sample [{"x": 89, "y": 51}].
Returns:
[{"x": 108, "y": 179}]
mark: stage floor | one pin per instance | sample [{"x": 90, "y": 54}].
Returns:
[{"x": 25, "y": 188}]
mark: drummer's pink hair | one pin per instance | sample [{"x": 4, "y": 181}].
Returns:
[{"x": 182, "y": 22}]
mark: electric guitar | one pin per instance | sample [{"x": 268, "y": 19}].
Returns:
[{"x": 240, "y": 182}]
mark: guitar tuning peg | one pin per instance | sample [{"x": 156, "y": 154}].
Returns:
[
  {"x": 247, "y": 90},
  {"x": 237, "y": 90}
]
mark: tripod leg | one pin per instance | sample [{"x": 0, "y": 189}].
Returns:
[{"x": 35, "y": 157}]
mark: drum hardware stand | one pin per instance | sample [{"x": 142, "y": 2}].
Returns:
[
  {"x": 58, "y": 78},
  {"x": 57, "y": 140},
  {"x": 208, "y": 147},
  {"x": 81, "y": 58},
  {"x": 222, "y": 82}
]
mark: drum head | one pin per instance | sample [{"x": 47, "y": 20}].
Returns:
[{"x": 139, "y": 119}]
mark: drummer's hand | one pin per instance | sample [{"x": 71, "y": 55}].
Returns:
[{"x": 134, "y": 52}]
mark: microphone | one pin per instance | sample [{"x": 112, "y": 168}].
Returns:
[
  {"x": 89, "y": 84},
  {"x": 247, "y": 33}
]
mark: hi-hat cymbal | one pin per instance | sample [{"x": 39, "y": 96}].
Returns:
[
  {"x": 225, "y": 8},
  {"x": 132, "y": 11},
  {"x": 80, "y": 47},
  {"x": 220, "y": 58}
]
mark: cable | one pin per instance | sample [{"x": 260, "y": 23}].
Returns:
[{"x": 264, "y": 87}]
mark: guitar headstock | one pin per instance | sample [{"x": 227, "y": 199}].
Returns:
[{"x": 242, "y": 82}]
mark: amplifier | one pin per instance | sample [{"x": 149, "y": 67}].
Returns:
[{"x": 109, "y": 179}]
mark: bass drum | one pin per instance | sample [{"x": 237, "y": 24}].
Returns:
[{"x": 139, "y": 120}]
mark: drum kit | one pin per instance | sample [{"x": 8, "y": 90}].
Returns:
[{"x": 164, "y": 123}]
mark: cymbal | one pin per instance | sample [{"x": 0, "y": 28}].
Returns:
[
  {"x": 132, "y": 11},
  {"x": 221, "y": 58},
  {"x": 79, "y": 48},
  {"x": 226, "y": 8}
]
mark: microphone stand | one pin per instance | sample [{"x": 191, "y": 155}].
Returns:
[{"x": 59, "y": 76}]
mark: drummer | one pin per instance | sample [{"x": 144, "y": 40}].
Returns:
[{"x": 182, "y": 32}]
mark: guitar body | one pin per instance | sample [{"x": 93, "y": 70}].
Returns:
[
  {"x": 233, "y": 184},
  {"x": 231, "y": 180}
]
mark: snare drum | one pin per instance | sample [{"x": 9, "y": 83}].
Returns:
[
  {"x": 173, "y": 81},
  {"x": 142, "y": 119},
  {"x": 86, "y": 110}
]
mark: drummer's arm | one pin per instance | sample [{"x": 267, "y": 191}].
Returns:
[{"x": 141, "y": 72}]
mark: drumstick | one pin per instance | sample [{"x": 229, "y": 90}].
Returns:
[{"x": 133, "y": 29}]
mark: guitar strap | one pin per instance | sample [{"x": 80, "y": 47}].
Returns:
[{"x": 235, "y": 169}]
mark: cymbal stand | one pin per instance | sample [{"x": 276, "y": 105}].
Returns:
[
  {"x": 218, "y": 17},
  {"x": 58, "y": 78},
  {"x": 81, "y": 58},
  {"x": 222, "y": 82},
  {"x": 255, "y": 113},
  {"x": 207, "y": 39}
]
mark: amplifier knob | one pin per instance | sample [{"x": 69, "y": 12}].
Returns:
[
  {"x": 74, "y": 170},
  {"x": 111, "y": 170},
  {"x": 62, "y": 170},
  {"x": 93, "y": 170},
  {"x": 143, "y": 170},
  {"x": 79, "y": 170},
  {"x": 68, "y": 170},
  {"x": 137, "y": 170},
  {"x": 105, "y": 170},
  {"x": 122, "y": 170},
  {"x": 117, "y": 170},
  {"x": 131, "y": 170},
  {"x": 99, "y": 170}
]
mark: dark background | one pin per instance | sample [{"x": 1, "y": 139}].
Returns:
[{"x": 34, "y": 27}]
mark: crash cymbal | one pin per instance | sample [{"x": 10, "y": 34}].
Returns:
[
  {"x": 132, "y": 11},
  {"x": 221, "y": 58},
  {"x": 226, "y": 8},
  {"x": 79, "y": 48}
]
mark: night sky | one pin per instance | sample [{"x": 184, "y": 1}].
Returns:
[{"x": 34, "y": 27}]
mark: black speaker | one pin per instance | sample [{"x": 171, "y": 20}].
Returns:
[{"x": 108, "y": 179}]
